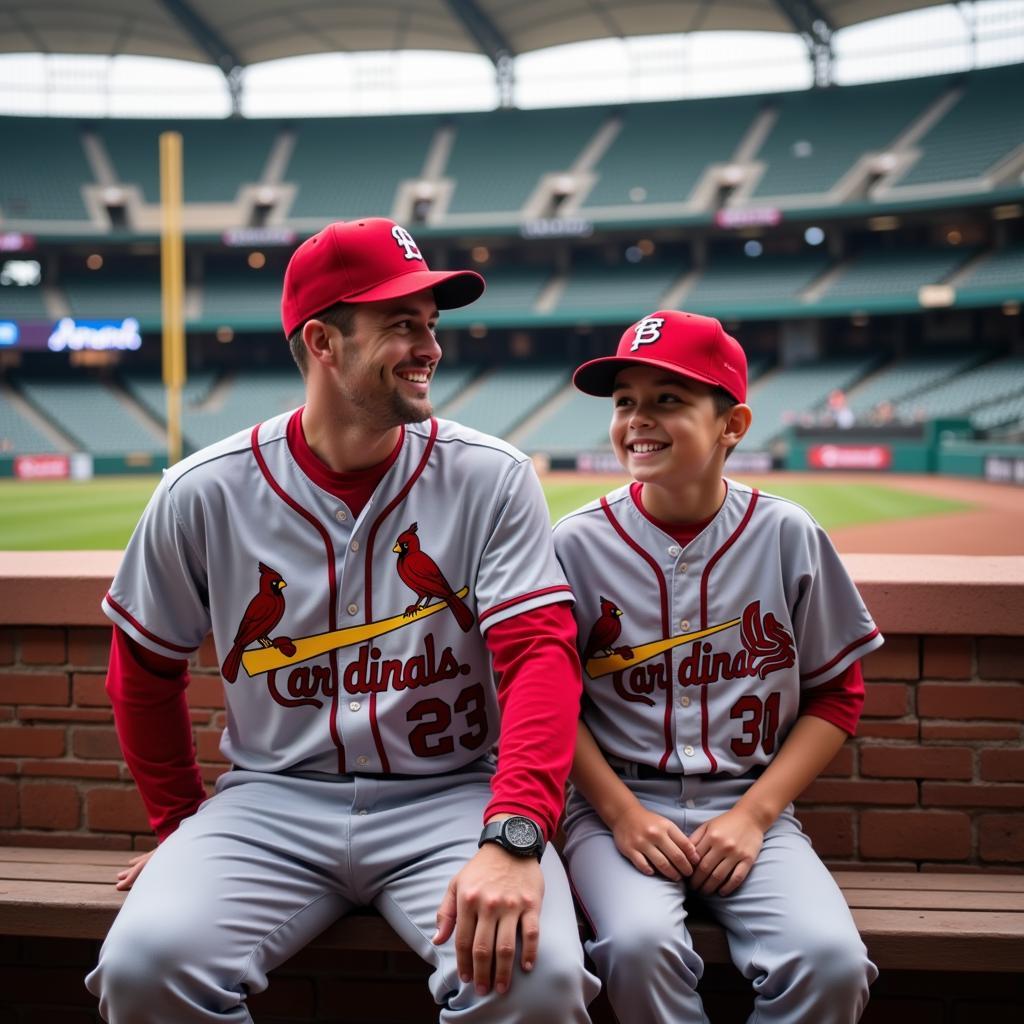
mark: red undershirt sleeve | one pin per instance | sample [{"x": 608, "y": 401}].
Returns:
[
  {"x": 838, "y": 701},
  {"x": 537, "y": 669},
  {"x": 147, "y": 693}
]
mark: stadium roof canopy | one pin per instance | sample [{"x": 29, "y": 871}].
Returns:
[{"x": 242, "y": 32}]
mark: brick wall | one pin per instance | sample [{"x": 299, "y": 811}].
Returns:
[{"x": 934, "y": 779}]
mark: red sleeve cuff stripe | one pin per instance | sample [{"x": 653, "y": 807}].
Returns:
[
  {"x": 525, "y": 597},
  {"x": 128, "y": 617},
  {"x": 804, "y": 676}
]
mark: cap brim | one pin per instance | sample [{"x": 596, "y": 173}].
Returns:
[
  {"x": 598, "y": 376},
  {"x": 452, "y": 288}
]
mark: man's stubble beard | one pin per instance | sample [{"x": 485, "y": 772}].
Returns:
[{"x": 381, "y": 410}]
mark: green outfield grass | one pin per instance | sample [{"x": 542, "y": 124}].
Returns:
[
  {"x": 68, "y": 515},
  {"x": 833, "y": 503}
]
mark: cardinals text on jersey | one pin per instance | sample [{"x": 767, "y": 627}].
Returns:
[
  {"x": 348, "y": 643},
  {"x": 695, "y": 658}
]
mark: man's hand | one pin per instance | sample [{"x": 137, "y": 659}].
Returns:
[
  {"x": 653, "y": 843},
  {"x": 728, "y": 846},
  {"x": 496, "y": 895},
  {"x": 126, "y": 878}
]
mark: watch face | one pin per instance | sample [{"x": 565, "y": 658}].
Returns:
[{"x": 521, "y": 833}]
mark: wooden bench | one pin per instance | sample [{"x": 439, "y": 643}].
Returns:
[{"x": 931, "y": 922}]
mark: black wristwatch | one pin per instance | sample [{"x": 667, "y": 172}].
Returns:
[{"x": 519, "y": 835}]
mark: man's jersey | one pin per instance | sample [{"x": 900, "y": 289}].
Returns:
[
  {"x": 346, "y": 643},
  {"x": 695, "y": 658}
]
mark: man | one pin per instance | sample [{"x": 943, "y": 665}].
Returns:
[{"x": 424, "y": 615}]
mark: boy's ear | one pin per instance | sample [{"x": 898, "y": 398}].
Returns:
[{"x": 737, "y": 423}]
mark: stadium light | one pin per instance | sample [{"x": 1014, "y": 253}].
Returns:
[{"x": 936, "y": 296}]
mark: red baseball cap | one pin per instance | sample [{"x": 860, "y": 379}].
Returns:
[
  {"x": 685, "y": 343},
  {"x": 364, "y": 261}
]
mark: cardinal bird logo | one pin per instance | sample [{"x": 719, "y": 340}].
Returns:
[
  {"x": 605, "y": 632},
  {"x": 261, "y": 616},
  {"x": 419, "y": 572}
]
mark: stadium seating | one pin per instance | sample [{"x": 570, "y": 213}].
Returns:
[
  {"x": 92, "y": 414},
  {"x": 447, "y": 383},
  {"x": 347, "y": 167},
  {"x": 150, "y": 393},
  {"x": 510, "y": 299},
  {"x": 574, "y": 422},
  {"x": 24, "y": 303},
  {"x": 996, "y": 381},
  {"x": 905, "y": 377},
  {"x": 820, "y": 134},
  {"x": 239, "y": 401},
  {"x": 18, "y": 435},
  {"x": 874, "y": 278},
  {"x": 241, "y": 301},
  {"x": 43, "y": 169},
  {"x": 730, "y": 285},
  {"x": 219, "y": 156},
  {"x": 112, "y": 296},
  {"x": 996, "y": 277},
  {"x": 499, "y": 157},
  {"x": 780, "y": 398},
  {"x": 982, "y": 127},
  {"x": 1006, "y": 412},
  {"x": 506, "y": 396},
  {"x": 663, "y": 149},
  {"x": 618, "y": 294}
]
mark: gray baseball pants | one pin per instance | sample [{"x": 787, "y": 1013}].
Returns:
[
  {"x": 271, "y": 860},
  {"x": 789, "y": 929}
]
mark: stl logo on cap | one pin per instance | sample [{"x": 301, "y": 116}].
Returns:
[
  {"x": 407, "y": 242},
  {"x": 648, "y": 330}
]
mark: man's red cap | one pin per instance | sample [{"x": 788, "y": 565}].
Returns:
[
  {"x": 685, "y": 343},
  {"x": 363, "y": 261}
]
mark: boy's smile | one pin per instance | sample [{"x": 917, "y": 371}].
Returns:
[{"x": 664, "y": 426}]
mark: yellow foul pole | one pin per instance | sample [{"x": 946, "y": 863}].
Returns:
[{"x": 172, "y": 282}]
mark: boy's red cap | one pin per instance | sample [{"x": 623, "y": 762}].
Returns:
[
  {"x": 685, "y": 343},
  {"x": 363, "y": 261}
]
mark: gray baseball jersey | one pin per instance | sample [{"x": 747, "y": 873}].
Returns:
[
  {"x": 695, "y": 659},
  {"x": 374, "y": 658}
]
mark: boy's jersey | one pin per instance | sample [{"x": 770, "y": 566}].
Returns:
[
  {"x": 695, "y": 658},
  {"x": 347, "y": 643}
]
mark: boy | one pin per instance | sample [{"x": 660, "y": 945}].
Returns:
[{"x": 720, "y": 639}]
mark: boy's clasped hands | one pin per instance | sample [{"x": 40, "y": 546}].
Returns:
[{"x": 715, "y": 858}]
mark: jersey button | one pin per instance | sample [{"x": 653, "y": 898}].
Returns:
[
  {"x": 363, "y": 811},
  {"x": 352, "y": 608},
  {"x": 682, "y": 567},
  {"x": 684, "y": 702},
  {"x": 355, "y": 545},
  {"x": 684, "y": 625},
  {"x": 688, "y": 751},
  {"x": 362, "y": 760},
  {"x": 340, "y": 514},
  {"x": 354, "y": 705},
  {"x": 674, "y": 551}
]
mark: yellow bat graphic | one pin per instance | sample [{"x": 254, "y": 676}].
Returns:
[
  {"x": 267, "y": 659},
  {"x": 598, "y": 667}
]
